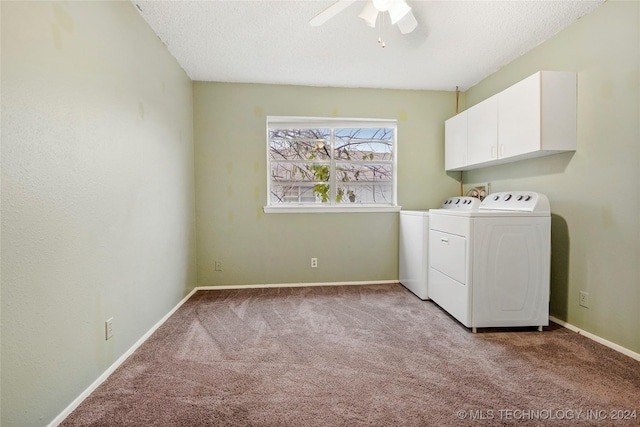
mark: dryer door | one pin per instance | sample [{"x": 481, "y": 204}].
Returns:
[
  {"x": 448, "y": 254},
  {"x": 511, "y": 265}
]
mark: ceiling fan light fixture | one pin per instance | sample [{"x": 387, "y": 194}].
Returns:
[
  {"x": 398, "y": 10},
  {"x": 369, "y": 14},
  {"x": 382, "y": 5}
]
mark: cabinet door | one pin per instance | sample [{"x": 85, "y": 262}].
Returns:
[
  {"x": 482, "y": 131},
  {"x": 455, "y": 142},
  {"x": 519, "y": 118}
]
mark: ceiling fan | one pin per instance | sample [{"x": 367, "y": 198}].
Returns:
[{"x": 399, "y": 12}]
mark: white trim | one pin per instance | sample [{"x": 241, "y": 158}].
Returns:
[
  {"x": 283, "y": 122},
  {"x": 78, "y": 400},
  {"x": 296, "y": 285},
  {"x": 612, "y": 345},
  {"x": 291, "y": 208}
]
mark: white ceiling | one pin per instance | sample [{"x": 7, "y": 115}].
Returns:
[{"x": 457, "y": 43}]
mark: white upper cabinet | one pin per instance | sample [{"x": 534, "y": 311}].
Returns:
[
  {"x": 482, "y": 132},
  {"x": 455, "y": 147},
  {"x": 535, "y": 117},
  {"x": 519, "y": 118}
]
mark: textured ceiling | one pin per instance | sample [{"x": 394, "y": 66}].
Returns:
[{"x": 457, "y": 43}]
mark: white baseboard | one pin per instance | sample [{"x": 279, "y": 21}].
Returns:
[
  {"x": 612, "y": 345},
  {"x": 295, "y": 285},
  {"x": 78, "y": 400}
]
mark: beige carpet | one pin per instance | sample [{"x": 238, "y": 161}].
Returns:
[{"x": 354, "y": 356}]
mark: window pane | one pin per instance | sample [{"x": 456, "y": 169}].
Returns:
[
  {"x": 350, "y": 172},
  {"x": 369, "y": 144},
  {"x": 299, "y": 172},
  {"x": 299, "y": 193},
  {"x": 299, "y": 144},
  {"x": 369, "y": 193},
  {"x": 331, "y": 161}
]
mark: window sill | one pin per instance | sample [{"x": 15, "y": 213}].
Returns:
[{"x": 288, "y": 209}]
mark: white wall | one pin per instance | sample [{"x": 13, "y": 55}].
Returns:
[
  {"x": 594, "y": 195},
  {"x": 97, "y": 195}
]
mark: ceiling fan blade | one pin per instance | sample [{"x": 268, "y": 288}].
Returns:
[
  {"x": 369, "y": 14},
  {"x": 330, "y": 12},
  {"x": 408, "y": 23},
  {"x": 398, "y": 10}
]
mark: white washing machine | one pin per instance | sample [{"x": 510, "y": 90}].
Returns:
[
  {"x": 413, "y": 262},
  {"x": 489, "y": 265}
]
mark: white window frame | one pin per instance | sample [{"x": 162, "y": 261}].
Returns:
[{"x": 291, "y": 122}]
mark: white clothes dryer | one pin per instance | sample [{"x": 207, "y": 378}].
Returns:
[{"x": 489, "y": 265}]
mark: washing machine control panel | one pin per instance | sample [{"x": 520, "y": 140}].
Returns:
[
  {"x": 462, "y": 203},
  {"x": 526, "y": 201}
]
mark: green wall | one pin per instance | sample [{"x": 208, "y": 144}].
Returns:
[
  {"x": 258, "y": 248},
  {"x": 98, "y": 212},
  {"x": 98, "y": 194},
  {"x": 593, "y": 192}
]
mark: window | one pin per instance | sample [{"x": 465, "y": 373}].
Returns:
[{"x": 331, "y": 164}]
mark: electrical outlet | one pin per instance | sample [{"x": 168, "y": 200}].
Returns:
[
  {"x": 584, "y": 299},
  {"x": 108, "y": 328},
  {"x": 218, "y": 265},
  {"x": 314, "y": 262}
]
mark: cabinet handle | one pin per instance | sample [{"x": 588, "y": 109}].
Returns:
[
  {"x": 444, "y": 240},
  {"x": 493, "y": 152},
  {"x": 501, "y": 150}
]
